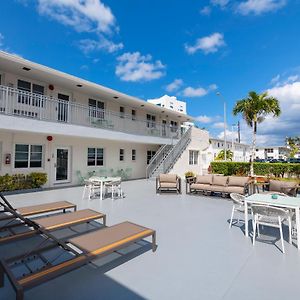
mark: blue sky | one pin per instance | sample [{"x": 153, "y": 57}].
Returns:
[{"x": 189, "y": 49}]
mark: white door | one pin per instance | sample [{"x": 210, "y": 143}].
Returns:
[{"x": 62, "y": 166}]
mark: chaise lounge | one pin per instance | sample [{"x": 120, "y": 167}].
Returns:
[
  {"x": 218, "y": 184},
  {"x": 81, "y": 250},
  {"x": 50, "y": 223}
]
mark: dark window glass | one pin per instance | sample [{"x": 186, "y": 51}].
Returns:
[
  {"x": 121, "y": 154},
  {"x": 133, "y": 154}
]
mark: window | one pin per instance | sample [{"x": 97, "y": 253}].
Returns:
[
  {"x": 193, "y": 157},
  {"x": 95, "y": 157},
  {"x": 150, "y": 154},
  {"x": 28, "y": 156},
  {"x": 96, "y": 109},
  {"x": 133, "y": 115},
  {"x": 121, "y": 155},
  {"x": 269, "y": 150},
  {"x": 151, "y": 121},
  {"x": 218, "y": 145},
  {"x": 133, "y": 154},
  {"x": 122, "y": 112},
  {"x": 173, "y": 126},
  {"x": 28, "y": 87}
]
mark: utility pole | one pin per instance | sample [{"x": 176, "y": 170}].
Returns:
[
  {"x": 225, "y": 139},
  {"x": 239, "y": 132}
]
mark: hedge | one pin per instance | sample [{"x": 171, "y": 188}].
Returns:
[
  {"x": 243, "y": 169},
  {"x": 22, "y": 182}
]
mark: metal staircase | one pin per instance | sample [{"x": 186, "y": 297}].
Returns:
[{"x": 167, "y": 155}]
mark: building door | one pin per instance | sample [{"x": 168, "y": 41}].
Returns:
[
  {"x": 63, "y": 107},
  {"x": 62, "y": 164}
]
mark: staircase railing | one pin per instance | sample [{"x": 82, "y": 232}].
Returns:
[
  {"x": 156, "y": 159},
  {"x": 177, "y": 150}
]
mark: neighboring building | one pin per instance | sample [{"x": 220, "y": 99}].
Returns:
[
  {"x": 275, "y": 152},
  {"x": 241, "y": 152},
  {"x": 64, "y": 126},
  {"x": 170, "y": 102}
]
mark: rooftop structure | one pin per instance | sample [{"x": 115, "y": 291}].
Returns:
[{"x": 170, "y": 102}]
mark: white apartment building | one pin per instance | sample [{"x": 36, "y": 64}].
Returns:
[
  {"x": 274, "y": 152},
  {"x": 170, "y": 102},
  {"x": 241, "y": 152},
  {"x": 65, "y": 126}
]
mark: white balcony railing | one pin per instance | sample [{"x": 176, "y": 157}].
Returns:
[{"x": 28, "y": 105}]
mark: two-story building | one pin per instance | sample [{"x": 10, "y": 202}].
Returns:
[
  {"x": 272, "y": 152},
  {"x": 68, "y": 127}
]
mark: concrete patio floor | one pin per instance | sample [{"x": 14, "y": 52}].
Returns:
[{"x": 198, "y": 257}]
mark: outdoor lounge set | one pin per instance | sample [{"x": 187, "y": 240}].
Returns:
[{"x": 79, "y": 249}]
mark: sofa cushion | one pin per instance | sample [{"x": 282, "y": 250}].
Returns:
[
  {"x": 168, "y": 178},
  {"x": 220, "y": 180},
  {"x": 200, "y": 186},
  {"x": 204, "y": 179},
  {"x": 234, "y": 189},
  {"x": 277, "y": 185},
  {"x": 168, "y": 185},
  {"x": 237, "y": 181},
  {"x": 217, "y": 188}
]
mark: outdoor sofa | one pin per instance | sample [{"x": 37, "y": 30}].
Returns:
[
  {"x": 168, "y": 183},
  {"x": 218, "y": 184},
  {"x": 289, "y": 188}
]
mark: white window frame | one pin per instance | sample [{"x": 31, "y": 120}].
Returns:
[
  {"x": 95, "y": 158},
  {"x": 28, "y": 157},
  {"x": 193, "y": 157},
  {"x": 122, "y": 154}
]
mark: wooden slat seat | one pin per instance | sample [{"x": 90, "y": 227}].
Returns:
[
  {"x": 100, "y": 241},
  {"x": 45, "y": 208},
  {"x": 70, "y": 219}
]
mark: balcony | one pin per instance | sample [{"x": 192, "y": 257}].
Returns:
[{"x": 14, "y": 102}]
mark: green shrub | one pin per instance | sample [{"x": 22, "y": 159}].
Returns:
[
  {"x": 22, "y": 182},
  {"x": 267, "y": 169}
]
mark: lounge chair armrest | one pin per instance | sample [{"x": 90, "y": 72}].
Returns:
[{"x": 190, "y": 180}]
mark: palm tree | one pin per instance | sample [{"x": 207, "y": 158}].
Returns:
[
  {"x": 254, "y": 109},
  {"x": 221, "y": 155}
]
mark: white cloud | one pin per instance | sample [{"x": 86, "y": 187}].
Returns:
[
  {"x": 206, "y": 10},
  {"x": 207, "y": 44},
  {"x": 82, "y": 15},
  {"x": 258, "y": 7},
  {"x": 137, "y": 67},
  {"x": 174, "y": 85},
  {"x": 199, "y": 91},
  {"x": 89, "y": 45},
  {"x": 221, "y": 3},
  {"x": 218, "y": 125},
  {"x": 204, "y": 119},
  {"x": 194, "y": 92},
  {"x": 275, "y": 79}
]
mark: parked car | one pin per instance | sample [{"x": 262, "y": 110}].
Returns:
[
  {"x": 294, "y": 160},
  {"x": 280, "y": 160}
]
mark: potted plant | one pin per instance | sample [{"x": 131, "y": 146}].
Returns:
[{"x": 189, "y": 174}]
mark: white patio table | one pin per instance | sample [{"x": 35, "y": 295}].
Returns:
[
  {"x": 100, "y": 181},
  {"x": 281, "y": 201}
]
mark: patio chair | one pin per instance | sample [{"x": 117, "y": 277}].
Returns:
[
  {"x": 81, "y": 250},
  {"x": 80, "y": 177},
  {"x": 48, "y": 223},
  {"x": 283, "y": 187},
  {"x": 238, "y": 206},
  {"x": 168, "y": 182},
  {"x": 113, "y": 187},
  {"x": 270, "y": 216}
]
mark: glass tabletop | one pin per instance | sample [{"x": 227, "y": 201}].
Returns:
[{"x": 284, "y": 201}]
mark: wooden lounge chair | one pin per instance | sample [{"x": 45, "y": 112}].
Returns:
[
  {"x": 49, "y": 223},
  {"x": 32, "y": 210},
  {"x": 88, "y": 247}
]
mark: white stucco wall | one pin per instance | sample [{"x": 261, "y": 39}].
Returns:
[
  {"x": 199, "y": 142},
  {"x": 78, "y": 154}
]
